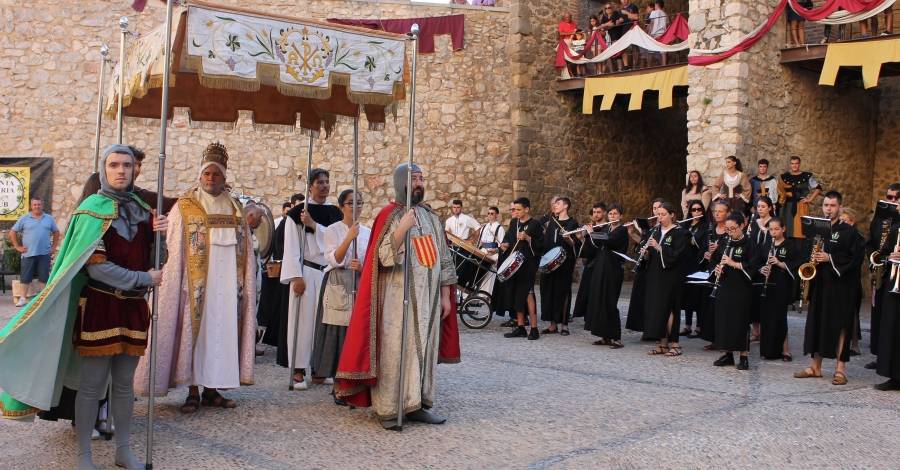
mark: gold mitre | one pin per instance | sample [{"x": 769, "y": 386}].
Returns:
[{"x": 215, "y": 153}]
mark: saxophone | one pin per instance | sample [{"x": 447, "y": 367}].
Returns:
[
  {"x": 807, "y": 270},
  {"x": 876, "y": 264}
]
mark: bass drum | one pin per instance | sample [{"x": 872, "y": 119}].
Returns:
[{"x": 265, "y": 232}]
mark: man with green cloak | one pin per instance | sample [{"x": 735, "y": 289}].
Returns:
[{"x": 91, "y": 319}]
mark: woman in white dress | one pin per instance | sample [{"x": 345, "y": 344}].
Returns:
[{"x": 733, "y": 186}]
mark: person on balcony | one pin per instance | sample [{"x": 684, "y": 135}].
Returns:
[
  {"x": 611, "y": 21},
  {"x": 657, "y": 23},
  {"x": 797, "y": 36}
]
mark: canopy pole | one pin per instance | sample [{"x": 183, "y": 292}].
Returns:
[
  {"x": 104, "y": 53},
  {"x": 297, "y": 306},
  {"x": 123, "y": 29},
  {"x": 353, "y": 248},
  {"x": 157, "y": 237},
  {"x": 401, "y": 388}
]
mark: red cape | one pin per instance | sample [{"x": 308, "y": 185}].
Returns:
[{"x": 358, "y": 366}]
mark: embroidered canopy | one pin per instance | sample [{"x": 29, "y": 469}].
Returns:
[{"x": 286, "y": 71}]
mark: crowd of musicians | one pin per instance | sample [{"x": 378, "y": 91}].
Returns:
[{"x": 732, "y": 259}]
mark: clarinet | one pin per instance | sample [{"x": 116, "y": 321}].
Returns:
[
  {"x": 750, "y": 224},
  {"x": 715, "y": 290},
  {"x": 771, "y": 267},
  {"x": 643, "y": 252}
]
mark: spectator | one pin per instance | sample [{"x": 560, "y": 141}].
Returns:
[
  {"x": 285, "y": 207},
  {"x": 657, "y": 24},
  {"x": 630, "y": 15},
  {"x": 694, "y": 190},
  {"x": 36, "y": 229},
  {"x": 594, "y": 27},
  {"x": 795, "y": 22},
  {"x": 566, "y": 27},
  {"x": 611, "y": 21},
  {"x": 888, "y": 22},
  {"x": 578, "y": 48}
]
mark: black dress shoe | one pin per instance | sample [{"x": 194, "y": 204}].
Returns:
[
  {"x": 872, "y": 365},
  {"x": 891, "y": 384},
  {"x": 517, "y": 332},
  {"x": 727, "y": 359},
  {"x": 744, "y": 363},
  {"x": 533, "y": 334}
]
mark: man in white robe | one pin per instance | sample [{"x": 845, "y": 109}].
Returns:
[
  {"x": 306, "y": 227},
  {"x": 207, "y": 309}
]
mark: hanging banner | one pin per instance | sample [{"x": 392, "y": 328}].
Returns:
[{"x": 20, "y": 180}]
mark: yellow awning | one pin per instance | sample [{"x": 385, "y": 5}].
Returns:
[
  {"x": 869, "y": 55},
  {"x": 635, "y": 85}
]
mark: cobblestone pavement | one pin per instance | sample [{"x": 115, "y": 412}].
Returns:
[{"x": 559, "y": 402}]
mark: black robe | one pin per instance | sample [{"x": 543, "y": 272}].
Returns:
[
  {"x": 501, "y": 297},
  {"x": 832, "y": 299},
  {"x": 270, "y": 292},
  {"x": 584, "y": 284},
  {"x": 889, "y": 331},
  {"x": 692, "y": 261},
  {"x": 876, "y": 229},
  {"x": 635, "y": 319},
  {"x": 773, "y": 326},
  {"x": 556, "y": 286},
  {"x": 734, "y": 296},
  {"x": 664, "y": 278},
  {"x": 602, "y": 312},
  {"x": 324, "y": 215},
  {"x": 522, "y": 282},
  {"x": 707, "y": 303},
  {"x": 762, "y": 240}
]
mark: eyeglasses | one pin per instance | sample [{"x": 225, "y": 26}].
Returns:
[
  {"x": 696, "y": 209},
  {"x": 891, "y": 197}
]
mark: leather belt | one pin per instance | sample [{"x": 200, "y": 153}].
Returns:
[
  {"x": 316, "y": 266},
  {"x": 117, "y": 293}
]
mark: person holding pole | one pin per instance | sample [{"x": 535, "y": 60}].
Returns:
[
  {"x": 208, "y": 336},
  {"x": 369, "y": 370},
  {"x": 102, "y": 330}
]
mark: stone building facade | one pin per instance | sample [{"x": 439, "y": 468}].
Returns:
[{"x": 490, "y": 125}]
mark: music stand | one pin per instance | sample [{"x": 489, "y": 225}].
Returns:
[{"x": 814, "y": 227}]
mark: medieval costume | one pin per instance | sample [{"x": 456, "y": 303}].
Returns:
[
  {"x": 94, "y": 305},
  {"x": 793, "y": 189},
  {"x": 207, "y": 322},
  {"x": 312, "y": 271},
  {"x": 333, "y": 313},
  {"x": 734, "y": 190},
  {"x": 763, "y": 187},
  {"x": 521, "y": 284},
  {"x": 556, "y": 285},
  {"x": 664, "y": 276},
  {"x": 605, "y": 283},
  {"x": 779, "y": 289},
  {"x": 369, "y": 368},
  {"x": 832, "y": 296}
]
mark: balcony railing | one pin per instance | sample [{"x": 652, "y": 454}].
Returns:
[{"x": 816, "y": 33}]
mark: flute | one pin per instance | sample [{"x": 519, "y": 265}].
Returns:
[{"x": 633, "y": 222}]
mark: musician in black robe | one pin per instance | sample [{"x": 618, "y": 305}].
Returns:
[
  {"x": 556, "y": 285},
  {"x": 601, "y": 248},
  {"x": 525, "y": 237},
  {"x": 776, "y": 293},
  {"x": 738, "y": 260},
  {"x": 635, "y": 319},
  {"x": 501, "y": 297},
  {"x": 829, "y": 323},
  {"x": 692, "y": 261},
  {"x": 889, "y": 332},
  {"x": 664, "y": 277},
  {"x": 878, "y": 230},
  {"x": 714, "y": 237},
  {"x": 598, "y": 216}
]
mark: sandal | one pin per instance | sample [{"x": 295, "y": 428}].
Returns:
[
  {"x": 787, "y": 357},
  {"x": 807, "y": 373},
  {"x": 616, "y": 344},
  {"x": 601, "y": 342},
  {"x": 191, "y": 404},
  {"x": 214, "y": 399},
  {"x": 674, "y": 351},
  {"x": 840, "y": 378},
  {"x": 659, "y": 351},
  {"x": 548, "y": 331}
]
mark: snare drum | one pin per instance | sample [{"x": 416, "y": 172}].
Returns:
[
  {"x": 510, "y": 266},
  {"x": 552, "y": 259}
]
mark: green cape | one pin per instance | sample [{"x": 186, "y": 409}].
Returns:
[{"x": 36, "y": 352}]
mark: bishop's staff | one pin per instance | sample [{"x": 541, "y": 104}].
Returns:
[{"x": 401, "y": 388}]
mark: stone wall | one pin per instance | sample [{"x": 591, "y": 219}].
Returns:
[
  {"x": 49, "y": 71},
  {"x": 622, "y": 156}
]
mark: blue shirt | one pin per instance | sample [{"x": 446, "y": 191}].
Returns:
[{"x": 35, "y": 233}]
